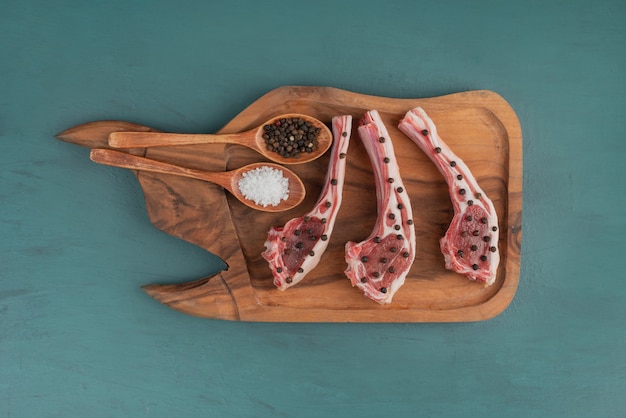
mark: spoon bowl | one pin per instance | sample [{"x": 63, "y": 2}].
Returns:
[
  {"x": 252, "y": 138},
  {"x": 227, "y": 179}
]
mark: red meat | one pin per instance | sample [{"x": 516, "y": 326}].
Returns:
[
  {"x": 295, "y": 249},
  {"x": 379, "y": 265},
  {"x": 470, "y": 245}
]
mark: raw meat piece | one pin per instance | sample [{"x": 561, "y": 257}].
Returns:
[
  {"x": 379, "y": 265},
  {"x": 293, "y": 250},
  {"x": 470, "y": 246}
]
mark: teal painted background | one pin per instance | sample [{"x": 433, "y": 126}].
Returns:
[{"x": 79, "y": 338}]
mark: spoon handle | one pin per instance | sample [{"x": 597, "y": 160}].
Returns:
[
  {"x": 127, "y": 139},
  {"x": 135, "y": 162}
]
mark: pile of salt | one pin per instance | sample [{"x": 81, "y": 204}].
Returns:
[{"x": 264, "y": 186}]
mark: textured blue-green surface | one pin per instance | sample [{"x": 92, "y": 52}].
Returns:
[{"x": 78, "y": 338}]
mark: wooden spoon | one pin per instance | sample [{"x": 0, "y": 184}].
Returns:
[
  {"x": 251, "y": 139},
  {"x": 227, "y": 179}
]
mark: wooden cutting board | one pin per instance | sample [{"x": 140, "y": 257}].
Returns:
[{"x": 479, "y": 126}]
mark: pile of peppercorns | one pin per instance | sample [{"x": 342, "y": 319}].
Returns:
[{"x": 290, "y": 137}]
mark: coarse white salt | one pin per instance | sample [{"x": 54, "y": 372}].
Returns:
[{"x": 264, "y": 186}]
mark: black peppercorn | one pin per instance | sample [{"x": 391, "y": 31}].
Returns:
[{"x": 290, "y": 136}]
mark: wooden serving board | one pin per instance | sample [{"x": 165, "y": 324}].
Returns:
[{"x": 479, "y": 126}]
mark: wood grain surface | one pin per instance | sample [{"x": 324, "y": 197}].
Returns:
[{"x": 479, "y": 126}]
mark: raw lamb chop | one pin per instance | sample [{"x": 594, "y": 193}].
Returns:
[
  {"x": 293, "y": 250},
  {"x": 379, "y": 265},
  {"x": 470, "y": 244}
]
